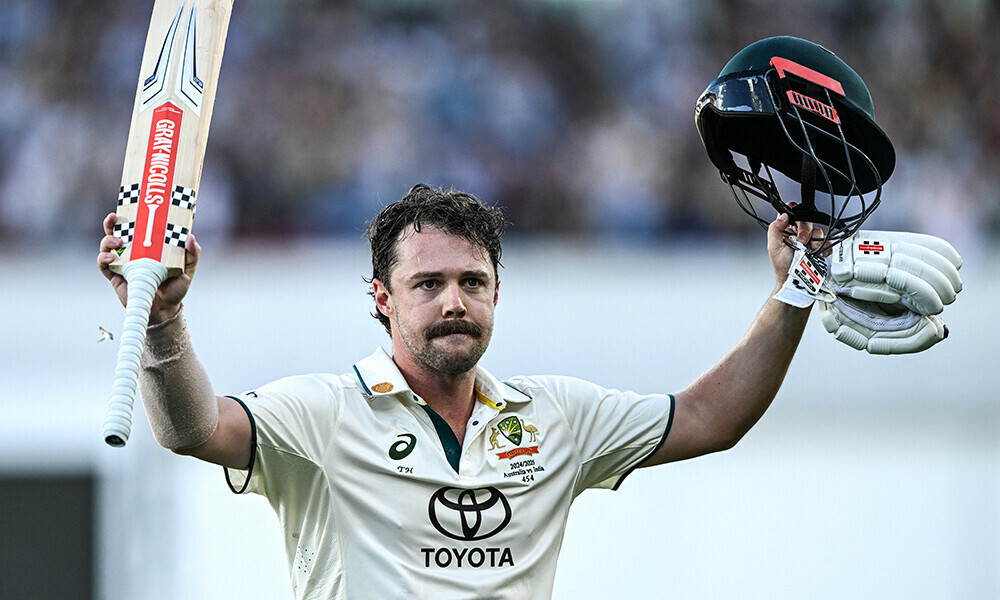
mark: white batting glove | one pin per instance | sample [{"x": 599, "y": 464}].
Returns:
[
  {"x": 889, "y": 287},
  {"x": 881, "y": 328},
  {"x": 893, "y": 267}
]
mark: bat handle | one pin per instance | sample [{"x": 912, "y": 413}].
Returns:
[{"x": 144, "y": 276}]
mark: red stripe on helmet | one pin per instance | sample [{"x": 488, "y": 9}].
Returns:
[{"x": 783, "y": 65}]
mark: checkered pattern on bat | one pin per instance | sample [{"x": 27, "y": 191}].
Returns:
[
  {"x": 125, "y": 231},
  {"x": 128, "y": 195},
  {"x": 183, "y": 197},
  {"x": 176, "y": 235}
]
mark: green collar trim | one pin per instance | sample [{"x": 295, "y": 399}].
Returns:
[{"x": 452, "y": 448}]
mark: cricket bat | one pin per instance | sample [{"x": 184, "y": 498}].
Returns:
[{"x": 163, "y": 161}]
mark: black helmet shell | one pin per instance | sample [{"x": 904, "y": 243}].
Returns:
[{"x": 757, "y": 134}]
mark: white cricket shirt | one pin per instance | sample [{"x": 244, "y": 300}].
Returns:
[{"x": 377, "y": 500}]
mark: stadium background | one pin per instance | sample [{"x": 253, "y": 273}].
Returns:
[{"x": 870, "y": 477}]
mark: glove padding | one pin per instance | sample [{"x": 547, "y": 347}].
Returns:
[
  {"x": 881, "y": 328},
  {"x": 890, "y": 286},
  {"x": 915, "y": 270}
]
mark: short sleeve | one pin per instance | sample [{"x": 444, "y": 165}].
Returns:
[
  {"x": 614, "y": 431},
  {"x": 292, "y": 419}
]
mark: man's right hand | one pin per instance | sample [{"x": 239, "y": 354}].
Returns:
[{"x": 169, "y": 295}]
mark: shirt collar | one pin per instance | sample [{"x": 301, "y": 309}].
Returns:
[{"x": 379, "y": 376}]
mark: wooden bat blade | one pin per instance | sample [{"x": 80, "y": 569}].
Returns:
[
  {"x": 169, "y": 130},
  {"x": 163, "y": 161}
]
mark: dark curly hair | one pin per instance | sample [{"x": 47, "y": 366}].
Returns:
[{"x": 452, "y": 211}]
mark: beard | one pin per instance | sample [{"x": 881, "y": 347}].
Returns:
[{"x": 439, "y": 359}]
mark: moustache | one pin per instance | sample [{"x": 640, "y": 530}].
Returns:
[{"x": 450, "y": 327}]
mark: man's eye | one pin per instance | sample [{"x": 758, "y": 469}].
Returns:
[
  {"x": 473, "y": 282},
  {"x": 430, "y": 284}
]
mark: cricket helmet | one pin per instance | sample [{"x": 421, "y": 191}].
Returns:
[{"x": 792, "y": 106}]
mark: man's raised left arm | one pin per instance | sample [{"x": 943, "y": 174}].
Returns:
[{"x": 721, "y": 406}]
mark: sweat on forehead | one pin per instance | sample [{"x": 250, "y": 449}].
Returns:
[{"x": 415, "y": 244}]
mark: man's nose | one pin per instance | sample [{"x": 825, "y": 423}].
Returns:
[{"x": 453, "y": 307}]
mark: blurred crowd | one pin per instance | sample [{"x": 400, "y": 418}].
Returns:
[{"x": 576, "y": 116}]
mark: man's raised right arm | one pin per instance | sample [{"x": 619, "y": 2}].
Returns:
[{"x": 183, "y": 411}]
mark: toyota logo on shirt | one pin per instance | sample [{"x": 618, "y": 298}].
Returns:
[{"x": 469, "y": 515}]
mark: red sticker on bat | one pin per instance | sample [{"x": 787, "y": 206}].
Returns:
[{"x": 157, "y": 182}]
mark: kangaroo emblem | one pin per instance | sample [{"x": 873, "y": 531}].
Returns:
[{"x": 494, "y": 439}]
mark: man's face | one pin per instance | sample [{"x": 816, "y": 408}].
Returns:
[{"x": 444, "y": 293}]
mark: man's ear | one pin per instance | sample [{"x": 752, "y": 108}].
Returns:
[
  {"x": 496, "y": 293},
  {"x": 381, "y": 293}
]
